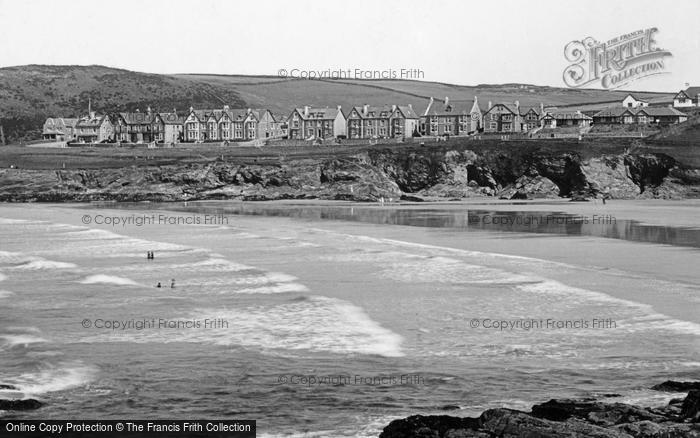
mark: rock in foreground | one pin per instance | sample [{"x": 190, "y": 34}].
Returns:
[
  {"x": 20, "y": 405},
  {"x": 561, "y": 418}
]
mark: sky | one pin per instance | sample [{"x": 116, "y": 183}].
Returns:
[{"x": 460, "y": 42}]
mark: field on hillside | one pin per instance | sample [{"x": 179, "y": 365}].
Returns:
[{"x": 283, "y": 95}]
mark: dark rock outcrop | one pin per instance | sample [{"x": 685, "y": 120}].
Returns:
[
  {"x": 675, "y": 386},
  {"x": 691, "y": 406},
  {"x": 561, "y": 418},
  {"x": 20, "y": 405}
]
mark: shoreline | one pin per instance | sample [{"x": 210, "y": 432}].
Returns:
[{"x": 653, "y": 211}]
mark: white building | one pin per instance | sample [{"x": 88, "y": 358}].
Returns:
[
  {"x": 632, "y": 102},
  {"x": 687, "y": 98}
]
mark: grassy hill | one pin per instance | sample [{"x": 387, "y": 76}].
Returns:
[
  {"x": 283, "y": 94},
  {"x": 29, "y": 94}
]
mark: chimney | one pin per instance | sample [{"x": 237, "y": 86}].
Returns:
[
  {"x": 148, "y": 110},
  {"x": 393, "y": 108},
  {"x": 226, "y": 107},
  {"x": 517, "y": 104},
  {"x": 306, "y": 111},
  {"x": 249, "y": 110},
  {"x": 365, "y": 109},
  {"x": 191, "y": 109},
  {"x": 175, "y": 111},
  {"x": 138, "y": 110},
  {"x": 340, "y": 108},
  {"x": 430, "y": 105},
  {"x": 447, "y": 100},
  {"x": 490, "y": 106},
  {"x": 410, "y": 106},
  {"x": 541, "y": 108}
]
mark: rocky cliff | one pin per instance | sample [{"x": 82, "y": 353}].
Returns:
[{"x": 391, "y": 173}]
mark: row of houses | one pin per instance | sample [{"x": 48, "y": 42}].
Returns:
[
  {"x": 238, "y": 125},
  {"x": 166, "y": 127},
  {"x": 440, "y": 118}
]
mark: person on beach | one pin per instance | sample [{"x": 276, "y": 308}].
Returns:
[
  {"x": 172, "y": 284},
  {"x": 158, "y": 285}
]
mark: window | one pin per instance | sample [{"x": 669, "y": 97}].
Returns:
[{"x": 250, "y": 129}]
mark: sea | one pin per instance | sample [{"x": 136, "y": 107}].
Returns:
[{"x": 333, "y": 319}]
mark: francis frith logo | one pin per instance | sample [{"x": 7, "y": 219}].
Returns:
[{"x": 616, "y": 62}]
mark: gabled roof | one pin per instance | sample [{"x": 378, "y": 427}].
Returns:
[
  {"x": 235, "y": 115},
  {"x": 650, "y": 111},
  {"x": 613, "y": 112},
  {"x": 90, "y": 122},
  {"x": 137, "y": 118},
  {"x": 408, "y": 111},
  {"x": 567, "y": 115},
  {"x": 62, "y": 122},
  {"x": 172, "y": 118},
  {"x": 314, "y": 113},
  {"x": 509, "y": 106},
  {"x": 692, "y": 91},
  {"x": 526, "y": 109},
  {"x": 58, "y": 125},
  {"x": 204, "y": 115},
  {"x": 635, "y": 98},
  {"x": 452, "y": 108},
  {"x": 660, "y": 111}
]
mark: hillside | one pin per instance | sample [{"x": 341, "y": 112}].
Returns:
[
  {"x": 29, "y": 94},
  {"x": 283, "y": 94}
]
